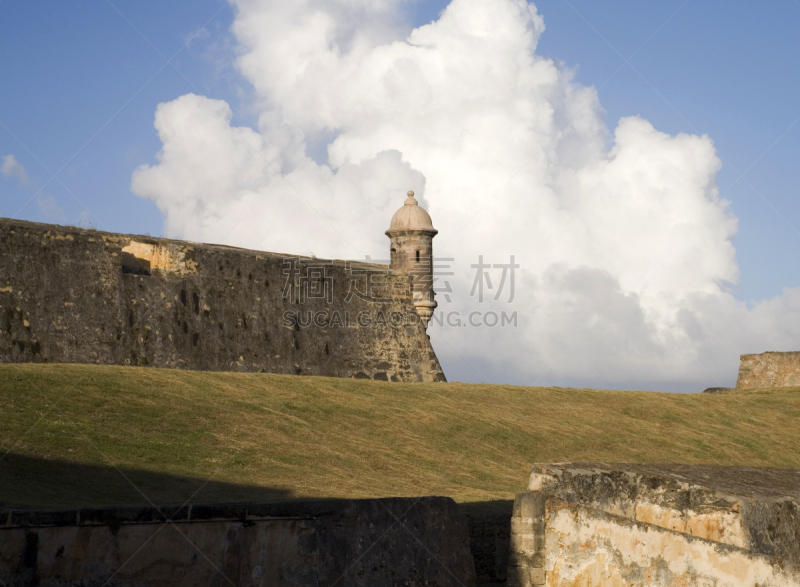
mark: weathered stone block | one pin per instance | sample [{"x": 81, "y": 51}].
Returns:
[
  {"x": 529, "y": 505},
  {"x": 526, "y": 577}
]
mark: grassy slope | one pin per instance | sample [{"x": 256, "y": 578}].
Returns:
[{"x": 157, "y": 434}]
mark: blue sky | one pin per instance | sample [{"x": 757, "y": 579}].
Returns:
[
  {"x": 81, "y": 83},
  {"x": 80, "y": 87},
  {"x": 728, "y": 70}
]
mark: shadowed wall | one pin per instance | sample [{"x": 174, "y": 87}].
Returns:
[{"x": 349, "y": 543}]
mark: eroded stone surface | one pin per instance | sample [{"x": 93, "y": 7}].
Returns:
[
  {"x": 69, "y": 295},
  {"x": 769, "y": 370},
  {"x": 624, "y": 524},
  {"x": 586, "y": 547}
]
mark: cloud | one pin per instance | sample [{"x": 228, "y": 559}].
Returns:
[
  {"x": 199, "y": 34},
  {"x": 13, "y": 168},
  {"x": 623, "y": 241},
  {"x": 50, "y": 209}
]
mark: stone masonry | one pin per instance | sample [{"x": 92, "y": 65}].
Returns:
[
  {"x": 411, "y": 234},
  {"x": 769, "y": 370},
  {"x": 616, "y": 525},
  {"x": 69, "y": 295}
]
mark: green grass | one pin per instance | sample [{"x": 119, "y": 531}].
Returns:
[{"x": 90, "y": 435}]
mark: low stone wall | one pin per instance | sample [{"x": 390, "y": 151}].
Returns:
[
  {"x": 69, "y": 295},
  {"x": 358, "y": 543},
  {"x": 769, "y": 370},
  {"x": 586, "y": 524}
]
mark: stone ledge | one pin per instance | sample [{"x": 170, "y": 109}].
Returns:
[{"x": 288, "y": 510}]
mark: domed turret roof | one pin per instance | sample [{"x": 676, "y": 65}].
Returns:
[{"x": 411, "y": 217}]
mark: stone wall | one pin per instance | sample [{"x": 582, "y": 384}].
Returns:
[
  {"x": 69, "y": 295},
  {"x": 583, "y": 524},
  {"x": 769, "y": 370},
  {"x": 348, "y": 543}
]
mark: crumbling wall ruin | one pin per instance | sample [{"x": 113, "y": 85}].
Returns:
[
  {"x": 69, "y": 295},
  {"x": 769, "y": 370},
  {"x": 582, "y": 524}
]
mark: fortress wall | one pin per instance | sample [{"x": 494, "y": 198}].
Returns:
[
  {"x": 84, "y": 296},
  {"x": 598, "y": 524},
  {"x": 348, "y": 543},
  {"x": 769, "y": 370},
  {"x": 584, "y": 547}
]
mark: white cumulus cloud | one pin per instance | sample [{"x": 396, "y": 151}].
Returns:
[
  {"x": 622, "y": 240},
  {"x": 13, "y": 168}
]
